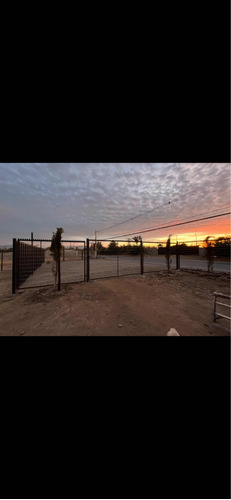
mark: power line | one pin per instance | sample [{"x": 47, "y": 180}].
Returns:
[
  {"x": 207, "y": 212},
  {"x": 172, "y": 225},
  {"x": 132, "y": 218},
  {"x": 179, "y": 219},
  {"x": 157, "y": 208}
]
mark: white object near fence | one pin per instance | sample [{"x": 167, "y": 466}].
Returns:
[
  {"x": 217, "y": 315},
  {"x": 173, "y": 333}
]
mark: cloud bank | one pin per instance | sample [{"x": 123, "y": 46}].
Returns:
[{"x": 86, "y": 197}]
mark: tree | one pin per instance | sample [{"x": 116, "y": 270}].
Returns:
[
  {"x": 55, "y": 250},
  {"x": 222, "y": 246},
  {"x": 137, "y": 239},
  {"x": 168, "y": 251},
  {"x": 209, "y": 245},
  {"x": 99, "y": 246},
  {"x": 112, "y": 247}
]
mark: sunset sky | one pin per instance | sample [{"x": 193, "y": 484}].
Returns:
[{"x": 86, "y": 197}]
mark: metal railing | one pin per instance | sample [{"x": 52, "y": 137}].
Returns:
[{"x": 215, "y": 314}]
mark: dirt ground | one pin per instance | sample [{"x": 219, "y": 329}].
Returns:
[{"x": 126, "y": 306}]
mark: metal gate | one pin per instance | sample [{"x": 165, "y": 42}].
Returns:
[
  {"x": 33, "y": 265},
  {"x": 107, "y": 259}
]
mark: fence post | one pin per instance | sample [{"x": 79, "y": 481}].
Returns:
[
  {"x": 177, "y": 256},
  {"x": 84, "y": 266},
  {"x": 59, "y": 274},
  {"x": 32, "y": 245},
  {"x": 2, "y": 261},
  {"x": 141, "y": 258},
  {"x": 118, "y": 271},
  {"x": 13, "y": 265},
  {"x": 88, "y": 261},
  {"x": 17, "y": 265}
]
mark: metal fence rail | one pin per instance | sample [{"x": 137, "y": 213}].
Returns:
[{"x": 217, "y": 315}]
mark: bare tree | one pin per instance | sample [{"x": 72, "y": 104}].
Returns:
[
  {"x": 168, "y": 253},
  {"x": 209, "y": 245},
  {"x": 55, "y": 250},
  {"x": 137, "y": 239}
]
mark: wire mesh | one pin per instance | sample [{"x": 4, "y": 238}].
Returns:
[
  {"x": 33, "y": 263},
  {"x": 72, "y": 265},
  {"x": 155, "y": 257},
  {"x": 115, "y": 258},
  {"x": 6, "y": 259},
  {"x": 197, "y": 256},
  {"x": 36, "y": 267}
]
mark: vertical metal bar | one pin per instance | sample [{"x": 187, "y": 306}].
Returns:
[
  {"x": 32, "y": 242},
  {"x": 59, "y": 274},
  {"x": 95, "y": 244},
  {"x": 118, "y": 271},
  {"x": 13, "y": 265},
  {"x": 88, "y": 261},
  {"x": 177, "y": 255},
  {"x": 141, "y": 258},
  {"x": 84, "y": 267},
  {"x": 17, "y": 266},
  {"x": 214, "y": 308},
  {"x": 2, "y": 261}
]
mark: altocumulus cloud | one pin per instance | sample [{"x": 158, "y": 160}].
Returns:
[{"x": 86, "y": 197}]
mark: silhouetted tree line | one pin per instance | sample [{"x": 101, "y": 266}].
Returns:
[
  {"x": 218, "y": 247},
  {"x": 222, "y": 247},
  {"x": 183, "y": 249},
  {"x": 114, "y": 248}
]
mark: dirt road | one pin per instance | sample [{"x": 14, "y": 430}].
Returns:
[{"x": 127, "y": 306}]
